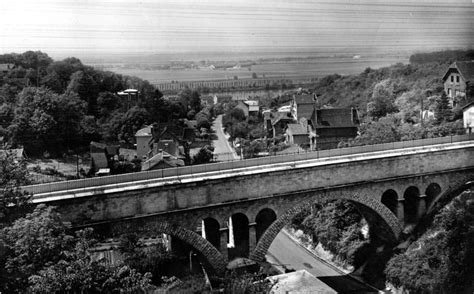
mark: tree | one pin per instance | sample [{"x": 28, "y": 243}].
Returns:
[
  {"x": 203, "y": 120},
  {"x": 237, "y": 114},
  {"x": 205, "y": 155},
  {"x": 158, "y": 107},
  {"x": 124, "y": 126},
  {"x": 45, "y": 120},
  {"x": 13, "y": 201},
  {"x": 154, "y": 259},
  {"x": 63, "y": 71},
  {"x": 43, "y": 258},
  {"x": 443, "y": 111},
  {"x": 83, "y": 84},
  {"x": 384, "y": 130},
  {"x": 191, "y": 100},
  {"x": 382, "y": 100},
  {"x": 442, "y": 260},
  {"x": 107, "y": 102}
]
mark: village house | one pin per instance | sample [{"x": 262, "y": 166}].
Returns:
[
  {"x": 129, "y": 98},
  {"x": 222, "y": 98},
  {"x": 468, "y": 117},
  {"x": 102, "y": 156},
  {"x": 249, "y": 107},
  {"x": 332, "y": 126},
  {"x": 207, "y": 100},
  {"x": 459, "y": 82},
  {"x": 325, "y": 128},
  {"x": 164, "y": 145},
  {"x": 297, "y": 134},
  {"x": 303, "y": 106},
  {"x": 6, "y": 67},
  {"x": 276, "y": 122}
]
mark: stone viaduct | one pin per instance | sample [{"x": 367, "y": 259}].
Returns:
[{"x": 390, "y": 188}]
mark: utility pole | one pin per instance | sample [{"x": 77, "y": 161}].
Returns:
[{"x": 421, "y": 112}]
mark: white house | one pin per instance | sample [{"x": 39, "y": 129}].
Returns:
[{"x": 468, "y": 117}]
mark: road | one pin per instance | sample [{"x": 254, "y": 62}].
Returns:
[
  {"x": 284, "y": 251},
  {"x": 222, "y": 149}
]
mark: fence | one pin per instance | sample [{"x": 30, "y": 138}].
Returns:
[{"x": 230, "y": 165}]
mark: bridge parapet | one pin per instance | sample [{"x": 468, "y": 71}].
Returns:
[{"x": 118, "y": 180}]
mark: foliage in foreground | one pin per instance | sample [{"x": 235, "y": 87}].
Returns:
[
  {"x": 13, "y": 201},
  {"x": 41, "y": 257},
  {"x": 442, "y": 260}
]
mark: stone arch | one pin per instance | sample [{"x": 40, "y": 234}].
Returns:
[
  {"x": 265, "y": 217},
  {"x": 214, "y": 258},
  {"x": 390, "y": 200},
  {"x": 411, "y": 203},
  {"x": 432, "y": 192},
  {"x": 384, "y": 220}
]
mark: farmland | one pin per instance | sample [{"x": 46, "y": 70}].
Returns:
[{"x": 151, "y": 69}]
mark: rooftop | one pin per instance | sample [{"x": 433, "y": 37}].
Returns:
[
  {"x": 305, "y": 99},
  {"x": 6, "y": 66},
  {"x": 144, "y": 132},
  {"x": 297, "y": 129},
  {"x": 128, "y": 91},
  {"x": 465, "y": 68},
  {"x": 335, "y": 117},
  {"x": 251, "y": 102}
]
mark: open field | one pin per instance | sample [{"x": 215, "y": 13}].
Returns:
[{"x": 286, "y": 69}]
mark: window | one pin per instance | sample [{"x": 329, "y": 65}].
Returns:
[
  {"x": 450, "y": 94},
  {"x": 452, "y": 79},
  {"x": 456, "y": 93},
  {"x": 457, "y": 79}
]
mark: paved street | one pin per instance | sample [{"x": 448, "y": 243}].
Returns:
[
  {"x": 222, "y": 149},
  {"x": 285, "y": 251}
]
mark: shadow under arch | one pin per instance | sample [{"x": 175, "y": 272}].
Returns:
[
  {"x": 210, "y": 253},
  {"x": 382, "y": 222}
]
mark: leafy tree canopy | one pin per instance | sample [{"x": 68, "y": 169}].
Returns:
[{"x": 43, "y": 258}]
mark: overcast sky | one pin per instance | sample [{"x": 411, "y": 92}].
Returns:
[{"x": 237, "y": 25}]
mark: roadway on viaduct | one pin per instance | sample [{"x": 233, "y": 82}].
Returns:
[{"x": 390, "y": 188}]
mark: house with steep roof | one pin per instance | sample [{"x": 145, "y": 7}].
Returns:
[
  {"x": 171, "y": 138},
  {"x": 325, "y": 127},
  {"x": 459, "y": 82},
  {"x": 333, "y": 125},
  {"x": 143, "y": 138},
  {"x": 276, "y": 121},
  {"x": 161, "y": 160},
  {"x": 249, "y": 107},
  {"x": 102, "y": 154},
  {"x": 304, "y": 106},
  {"x": 297, "y": 134}
]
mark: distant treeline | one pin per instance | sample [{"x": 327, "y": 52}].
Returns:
[{"x": 442, "y": 56}]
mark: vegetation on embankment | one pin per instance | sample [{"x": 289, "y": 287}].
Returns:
[
  {"x": 390, "y": 101},
  {"x": 442, "y": 259}
]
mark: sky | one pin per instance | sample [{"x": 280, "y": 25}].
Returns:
[{"x": 164, "y": 26}]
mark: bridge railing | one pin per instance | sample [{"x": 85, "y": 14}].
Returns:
[{"x": 230, "y": 165}]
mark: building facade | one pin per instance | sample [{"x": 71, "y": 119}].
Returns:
[{"x": 458, "y": 82}]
